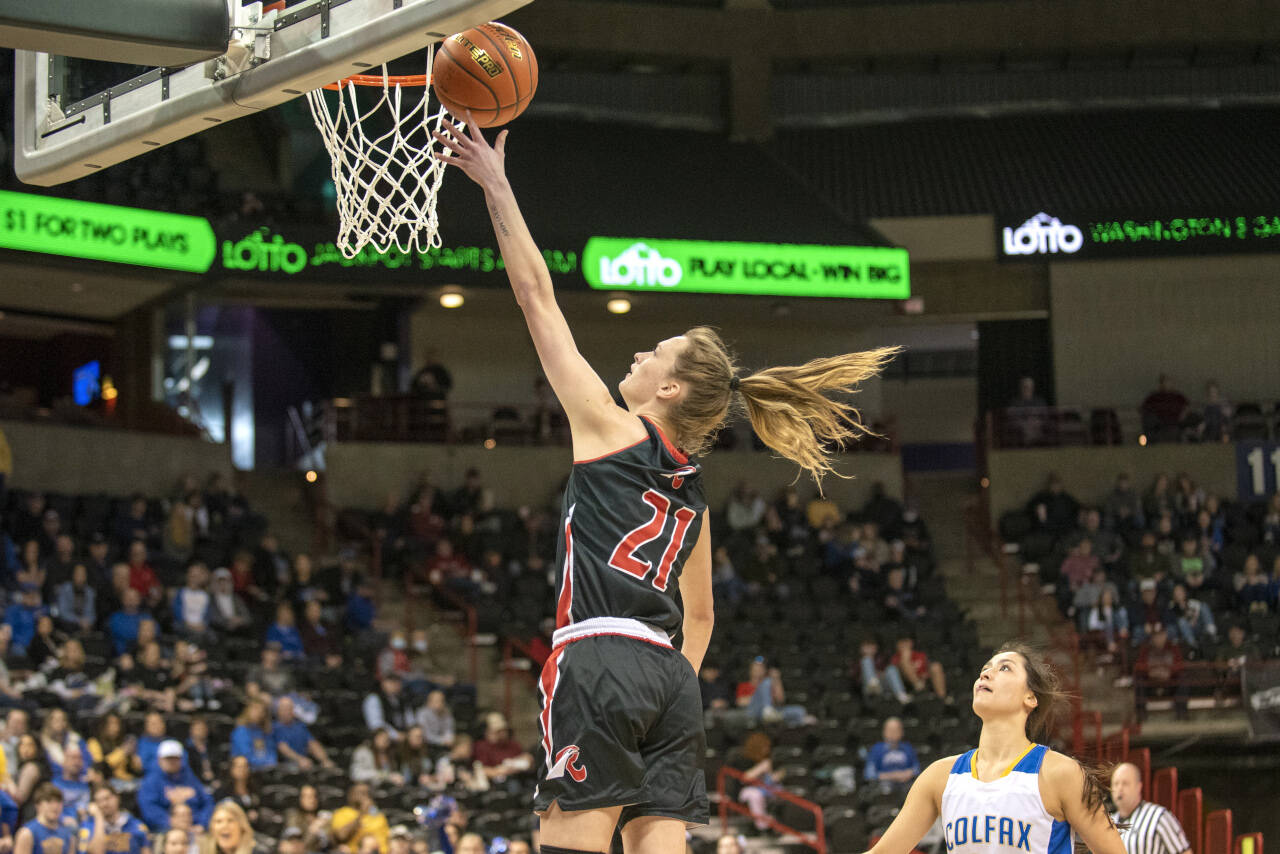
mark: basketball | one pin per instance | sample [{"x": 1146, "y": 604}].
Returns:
[{"x": 489, "y": 70}]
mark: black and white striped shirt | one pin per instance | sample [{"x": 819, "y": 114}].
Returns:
[{"x": 1153, "y": 830}]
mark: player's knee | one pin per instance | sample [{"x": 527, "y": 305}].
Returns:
[{"x": 554, "y": 849}]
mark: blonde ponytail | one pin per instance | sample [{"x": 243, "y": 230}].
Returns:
[
  {"x": 791, "y": 412},
  {"x": 789, "y": 407}
]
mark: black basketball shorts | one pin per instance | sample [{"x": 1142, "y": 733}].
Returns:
[{"x": 622, "y": 726}]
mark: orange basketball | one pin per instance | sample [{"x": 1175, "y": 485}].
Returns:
[{"x": 489, "y": 70}]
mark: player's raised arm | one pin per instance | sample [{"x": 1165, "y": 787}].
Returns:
[
  {"x": 584, "y": 396},
  {"x": 919, "y": 812}
]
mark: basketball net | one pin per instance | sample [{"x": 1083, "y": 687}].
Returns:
[{"x": 384, "y": 170}]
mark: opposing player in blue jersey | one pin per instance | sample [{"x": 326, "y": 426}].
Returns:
[
  {"x": 621, "y": 720},
  {"x": 1010, "y": 794}
]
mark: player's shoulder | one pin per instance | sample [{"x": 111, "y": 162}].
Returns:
[{"x": 940, "y": 769}]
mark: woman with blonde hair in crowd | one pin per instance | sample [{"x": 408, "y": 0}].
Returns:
[
  {"x": 57, "y": 737},
  {"x": 229, "y": 831}
]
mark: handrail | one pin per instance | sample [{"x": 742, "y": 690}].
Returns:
[
  {"x": 469, "y": 633},
  {"x": 510, "y": 670},
  {"x": 816, "y": 840}
]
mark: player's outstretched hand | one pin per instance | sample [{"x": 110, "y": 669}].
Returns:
[{"x": 469, "y": 151}]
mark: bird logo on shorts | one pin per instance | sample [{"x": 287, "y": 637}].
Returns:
[
  {"x": 678, "y": 476},
  {"x": 567, "y": 761}
]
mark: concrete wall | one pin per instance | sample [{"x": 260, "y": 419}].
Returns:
[
  {"x": 1118, "y": 324},
  {"x": 932, "y": 410},
  {"x": 361, "y": 474},
  {"x": 58, "y": 458},
  {"x": 1090, "y": 473}
]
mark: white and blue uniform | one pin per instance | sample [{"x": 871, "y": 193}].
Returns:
[{"x": 1004, "y": 815}]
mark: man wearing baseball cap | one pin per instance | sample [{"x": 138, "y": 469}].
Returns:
[{"x": 172, "y": 782}]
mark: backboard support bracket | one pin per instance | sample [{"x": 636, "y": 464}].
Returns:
[{"x": 311, "y": 45}]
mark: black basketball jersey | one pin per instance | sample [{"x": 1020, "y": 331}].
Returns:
[{"x": 630, "y": 520}]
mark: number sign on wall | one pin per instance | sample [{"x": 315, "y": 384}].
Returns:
[{"x": 1257, "y": 469}]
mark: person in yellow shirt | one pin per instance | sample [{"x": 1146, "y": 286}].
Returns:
[{"x": 360, "y": 819}]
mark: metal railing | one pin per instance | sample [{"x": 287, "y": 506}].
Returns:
[
  {"x": 817, "y": 840},
  {"x": 515, "y": 667}
]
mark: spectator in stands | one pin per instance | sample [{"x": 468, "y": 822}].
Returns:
[
  {"x": 15, "y": 726},
  {"x": 388, "y": 708},
  {"x": 726, "y": 587},
  {"x": 1215, "y": 417},
  {"x": 745, "y": 509},
  {"x": 1106, "y": 625},
  {"x": 432, "y": 381},
  {"x": 229, "y": 831},
  {"x": 124, "y": 624},
  {"x": 197, "y": 747},
  {"x": 762, "y": 696},
  {"x": 50, "y": 528},
  {"x": 117, "y": 749},
  {"x": 270, "y": 679},
  {"x": 111, "y": 830},
  {"x": 1149, "y": 612},
  {"x": 1078, "y": 568},
  {"x": 175, "y": 840},
  {"x": 294, "y": 742},
  {"x": 170, "y": 783},
  {"x": 358, "y": 820},
  {"x": 1053, "y": 509},
  {"x": 1108, "y": 546},
  {"x": 70, "y": 780},
  {"x": 892, "y": 761},
  {"x": 1158, "y": 499},
  {"x": 757, "y": 752},
  {"x": 1163, "y": 411},
  {"x": 1234, "y": 654},
  {"x": 75, "y": 602},
  {"x": 230, "y": 614},
  {"x": 1146, "y": 563},
  {"x": 1026, "y": 413},
  {"x": 918, "y": 672},
  {"x": 497, "y": 752},
  {"x": 1087, "y": 596},
  {"x": 21, "y": 617},
  {"x": 878, "y": 674},
  {"x": 134, "y": 525},
  {"x": 1158, "y": 673},
  {"x": 900, "y": 601},
  {"x": 308, "y": 819},
  {"x": 730, "y": 844},
  {"x": 181, "y": 819},
  {"x": 252, "y": 737},
  {"x": 31, "y": 568},
  {"x": 142, "y": 576},
  {"x": 33, "y": 768},
  {"x": 1253, "y": 587},
  {"x": 717, "y": 693},
  {"x": 58, "y": 565},
  {"x": 470, "y": 843},
  {"x": 153, "y": 735},
  {"x": 272, "y": 567},
  {"x": 96, "y": 562},
  {"x": 318, "y": 637},
  {"x": 240, "y": 788},
  {"x": 58, "y": 739},
  {"x": 1194, "y": 621},
  {"x": 360, "y": 611},
  {"x": 413, "y": 756},
  {"x": 284, "y": 631},
  {"x": 436, "y": 720},
  {"x": 46, "y": 833},
  {"x": 1152, "y": 829},
  {"x": 192, "y": 606}
]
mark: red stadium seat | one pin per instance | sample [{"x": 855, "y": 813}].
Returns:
[
  {"x": 1164, "y": 788},
  {"x": 1249, "y": 843},
  {"x": 1190, "y": 814},
  {"x": 1217, "y": 832}
]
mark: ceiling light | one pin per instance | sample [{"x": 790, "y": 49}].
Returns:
[
  {"x": 618, "y": 305},
  {"x": 452, "y": 299}
]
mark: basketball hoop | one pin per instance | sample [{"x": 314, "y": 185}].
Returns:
[{"x": 384, "y": 169}]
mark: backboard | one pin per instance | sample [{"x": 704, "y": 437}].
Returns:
[{"x": 273, "y": 55}]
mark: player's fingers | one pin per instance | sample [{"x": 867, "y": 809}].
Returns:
[
  {"x": 448, "y": 143},
  {"x": 475, "y": 129},
  {"x": 501, "y": 145},
  {"x": 455, "y": 132}
]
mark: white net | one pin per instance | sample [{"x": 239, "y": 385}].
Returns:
[{"x": 384, "y": 169}]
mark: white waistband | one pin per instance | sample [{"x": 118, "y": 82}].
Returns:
[{"x": 610, "y": 626}]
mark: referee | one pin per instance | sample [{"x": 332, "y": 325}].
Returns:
[{"x": 1152, "y": 829}]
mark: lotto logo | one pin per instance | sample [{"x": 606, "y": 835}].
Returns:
[
  {"x": 639, "y": 264},
  {"x": 1043, "y": 235}
]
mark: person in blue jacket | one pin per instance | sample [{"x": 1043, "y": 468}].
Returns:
[
  {"x": 8, "y": 820},
  {"x": 284, "y": 631},
  {"x": 22, "y": 617},
  {"x": 170, "y": 783},
  {"x": 45, "y": 834},
  {"x": 111, "y": 830},
  {"x": 252, "y": 737},
  {"x": 892, "y": 762}
]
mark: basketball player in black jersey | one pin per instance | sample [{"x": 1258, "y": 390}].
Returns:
[{"x": 621, "y": 721}]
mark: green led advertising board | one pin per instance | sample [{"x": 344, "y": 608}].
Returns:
[
  {"x": 765, "y": 269},
  {"x": 97, "y": 232}
]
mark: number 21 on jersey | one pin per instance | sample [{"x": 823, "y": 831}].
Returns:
[{"x": 626, "y": 560}]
